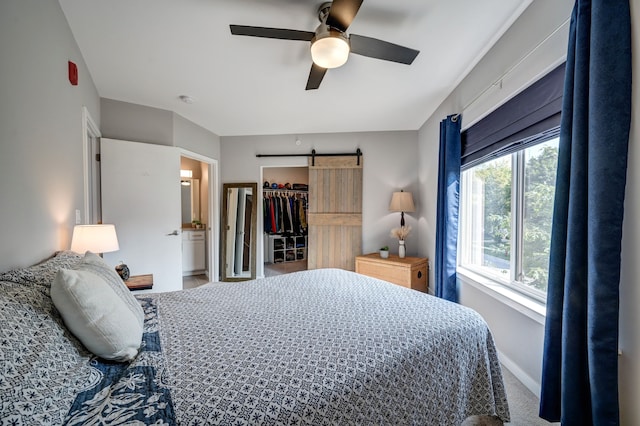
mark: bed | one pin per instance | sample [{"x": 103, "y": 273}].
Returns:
[{"x": 313, "y": 347}]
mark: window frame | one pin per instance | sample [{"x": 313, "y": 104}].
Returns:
[{"x": 518, "y": 167}]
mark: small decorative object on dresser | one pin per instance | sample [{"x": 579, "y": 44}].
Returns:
[
  {"x": 410, "y": 272},
  {"x": 401, "y": 233},
  {"x": 384, "y": 252},
  {"x": 123, "y": 271}
]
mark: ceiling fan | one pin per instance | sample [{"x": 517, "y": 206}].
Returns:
[{"x": 330, "y": 44}]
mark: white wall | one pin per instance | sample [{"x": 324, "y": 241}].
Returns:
[
  {"x": 390, "y": 164},
  {"x": 41, "y": 176}
]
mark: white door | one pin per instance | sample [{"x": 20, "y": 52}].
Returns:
[{"x": 141, "y": 197}]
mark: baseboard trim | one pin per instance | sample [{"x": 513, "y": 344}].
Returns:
[{"x": 530, "y": 383}]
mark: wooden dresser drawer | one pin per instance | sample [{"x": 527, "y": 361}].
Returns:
[{"x": 410, "y": 272}]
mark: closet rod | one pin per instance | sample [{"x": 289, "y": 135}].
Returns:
[
  {"x": 284, "y": 191},
  {"x": 314, "y": 154}
]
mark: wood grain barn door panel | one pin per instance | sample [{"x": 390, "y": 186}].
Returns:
[{"x": 335, "y": 212}]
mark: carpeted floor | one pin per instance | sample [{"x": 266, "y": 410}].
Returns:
[
  {"x": 273, "y": 269},
  {"x": 193, "y": 281},
  {"x": 523, "y": 404}
]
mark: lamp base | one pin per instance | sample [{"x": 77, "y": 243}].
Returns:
[{"x": 123, "y": 271}]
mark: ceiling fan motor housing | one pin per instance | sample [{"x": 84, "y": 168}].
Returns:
[{"x": 323, "y": 11}]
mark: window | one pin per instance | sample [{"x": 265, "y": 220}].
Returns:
[{"x": 506, "y": 207}]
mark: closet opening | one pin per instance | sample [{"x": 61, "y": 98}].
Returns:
[{"x": 285, "y": 201}]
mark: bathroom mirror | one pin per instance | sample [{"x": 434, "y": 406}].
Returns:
[
  {"x": 239, "y": 217},
  {"x": 190, "y": 197}
]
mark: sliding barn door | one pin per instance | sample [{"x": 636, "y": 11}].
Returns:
[{"x": 335, "y": 212}]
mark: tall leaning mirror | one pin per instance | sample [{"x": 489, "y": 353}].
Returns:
[{"x": 239, "y": 217}]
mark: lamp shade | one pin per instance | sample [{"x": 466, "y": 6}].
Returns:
[
  {"x": 94, "y": 238},
  {"x": 402, "y": 202}
]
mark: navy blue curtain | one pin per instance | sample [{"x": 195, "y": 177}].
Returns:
[
  {"x": 447, "y": 210},
  {"x": 580, "y": 364}
]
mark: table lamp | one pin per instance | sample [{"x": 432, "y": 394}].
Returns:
[
  {"x": 402, "y": 202},
  {"x": 94, "y": 238}
]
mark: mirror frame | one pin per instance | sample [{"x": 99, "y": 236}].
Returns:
[
  {"x": 224, "y": 226},
  {"x": 194, "y": 198}
]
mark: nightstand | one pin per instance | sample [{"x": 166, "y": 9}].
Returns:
[
  {"x": 410, "y": 272},
  {"x": 140, "y": 282}
]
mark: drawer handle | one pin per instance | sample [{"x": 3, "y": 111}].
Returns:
[{"x": 419, "y": 274}]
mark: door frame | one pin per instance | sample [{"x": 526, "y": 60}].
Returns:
[
  {"x": 261, "y": 247},
  {"x": 213, "y": 220},
  {"x": 90, "y": 147}
]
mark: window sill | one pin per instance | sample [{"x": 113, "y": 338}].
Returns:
[{"x": 531, "y": 308}]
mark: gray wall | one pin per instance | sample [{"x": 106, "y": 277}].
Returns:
[
  {"x": 475, "y": 97},
  {"x": 194, "y": 138},
  {"x": 41, "y": 165},
  {"x": 132, "y": 122},
  {"x": 139, "y": 123},
  {"x": 509, "y": 324},
  {"x": 390, "y": 164},
  {"x": 41, "y": 159},
  {"x": 629, "y": 364}
]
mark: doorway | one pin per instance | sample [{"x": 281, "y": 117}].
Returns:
[
  {"x": 285, "y": 202},
  {"x": 199, "y": 217}
]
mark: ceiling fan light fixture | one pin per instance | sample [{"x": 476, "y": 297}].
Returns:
[{"x": 331, "y": 50}]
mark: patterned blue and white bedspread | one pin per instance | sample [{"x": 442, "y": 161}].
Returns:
[
  {"x": 314, "y": 347},
  {"x": 324, "y": 347},
  {"x": 127, "y": 393}
]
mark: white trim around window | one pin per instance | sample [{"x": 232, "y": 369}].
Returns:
[{"x": 532, "y": 308}]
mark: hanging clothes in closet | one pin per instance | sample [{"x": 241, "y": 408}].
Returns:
[{"x": 285, "y": 212}]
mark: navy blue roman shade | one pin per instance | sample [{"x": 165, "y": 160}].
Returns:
[{"x": 530, "y": 117}]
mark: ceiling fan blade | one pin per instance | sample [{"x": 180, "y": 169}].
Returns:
[
  {"x": 342, "y": 13},
  {"x": 374, "y": 48},
  {"x": 315, "y": 77},
  {"x": 279, "y": 33}
]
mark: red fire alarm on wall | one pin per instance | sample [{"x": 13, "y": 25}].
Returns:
[{"x": 73, "y": 74}]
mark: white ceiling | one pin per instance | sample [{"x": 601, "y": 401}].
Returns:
[{"x": 149, "y": 52}]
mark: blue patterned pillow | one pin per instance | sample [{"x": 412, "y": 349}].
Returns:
[
  {"x": 42, "y": 366},
  {"x": 42, "y": 273}
]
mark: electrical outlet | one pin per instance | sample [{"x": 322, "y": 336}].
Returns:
[{"x": 78, "y": 217}]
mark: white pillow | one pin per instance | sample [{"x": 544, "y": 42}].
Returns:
[
  {"x": 96, "y": 315},
  {"x": 95, "y": 264}
]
